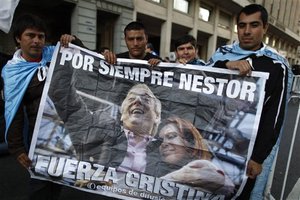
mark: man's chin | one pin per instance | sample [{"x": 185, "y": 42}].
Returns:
[
  {"x": 247, "y": 46},
  {"x": 136, "y": 122},
  {"x": 136, "y": 54}
]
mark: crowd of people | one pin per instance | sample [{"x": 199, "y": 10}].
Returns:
[{"x": 24, "y": 78}]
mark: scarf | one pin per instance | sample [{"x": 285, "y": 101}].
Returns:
[
  {"x": 235, "y": 52},
  {"x": 17, "y": 74}
]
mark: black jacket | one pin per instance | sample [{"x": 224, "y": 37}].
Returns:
[{"x": 274, "y": 104}]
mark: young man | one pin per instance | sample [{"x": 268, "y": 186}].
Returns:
[
  {"x": 24, "y": 79},
  {"x": 186, "y": 51},
  {"x": 252, "y": 24},
  {"x": 136, "y": 39}
]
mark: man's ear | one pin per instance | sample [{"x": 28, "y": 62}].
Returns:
[{"x": 18, "y": 39}]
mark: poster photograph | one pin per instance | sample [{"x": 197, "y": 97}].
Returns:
[{"x": 135, "y": 131}]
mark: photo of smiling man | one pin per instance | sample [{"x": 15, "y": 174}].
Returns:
[
  {"x": 120, "y": 141},
  {"x": 140, "y": 116}
]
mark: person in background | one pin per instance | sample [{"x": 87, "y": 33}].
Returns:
[
  {"x": 186, "y": 51},
  {"x": 150, "y": 49},
  {"x": 24, "y": 78},
  {"x": 250, "y": 53},
  {"x": 136, "y": 39}
]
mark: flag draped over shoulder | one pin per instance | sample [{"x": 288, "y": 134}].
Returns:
[
  {"x": 17, "y": 74},
  {"x": 235, "y": 52}
]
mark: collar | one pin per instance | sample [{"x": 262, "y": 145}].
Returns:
[{"x": 130, "y": 134}]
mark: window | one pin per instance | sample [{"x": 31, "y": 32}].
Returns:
[
  {"x": 267, "y": 40},
  {"x": 224, "y": 20},
  {"x": 204, "y": 14},
  {"x": 274, "y": 42},
  {"x": 181, "y": 5},
  {"x": 235, "y": 28}
]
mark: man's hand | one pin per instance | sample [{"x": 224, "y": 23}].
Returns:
[
  {"x": 24, "y": 160},
  {"x": 242, "y": 65},
  {"x": 182, "y": 61},
  {"x": 253, "y": 169},
  {"x": 65, "y": 39},
  {"x": 154, "y": 62},
  {"x": 110, "y": 57}
]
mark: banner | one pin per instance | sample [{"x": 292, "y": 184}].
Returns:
[{"x": 134, "y": 131}]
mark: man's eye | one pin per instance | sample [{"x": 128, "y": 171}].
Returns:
[
  {"x": 255, "y": 25},
  {"x": 171, "y": 136},
  {"x": 147, "y": 99},
  {"x": 31, "y": 35},
  {"x": 131, "y": 99}
]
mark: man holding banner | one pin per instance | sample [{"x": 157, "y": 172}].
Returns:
[
  {"x": 251, "y": 54},
  {"x": 136, "y": 39},
  {"x": 24, "y": 78},
  {"x": 186, "y": 51}
]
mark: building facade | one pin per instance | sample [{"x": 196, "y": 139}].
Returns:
[{"x": 212, "y": 22}]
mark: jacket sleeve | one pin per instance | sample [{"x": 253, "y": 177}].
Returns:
[
  {"x": 221, "y": 64},
  {"x": 272, "y": 117}
]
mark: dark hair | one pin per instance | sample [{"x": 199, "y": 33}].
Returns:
[
  {"x": 28, "y": 21},
  {"x": 185, "y": 39},
  {"x": 135, "y": 26},
  {"x": 150, "y": 46},
  {"x": 253, "y": 8}
]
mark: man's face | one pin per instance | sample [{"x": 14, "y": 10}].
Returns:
[
  {"x": 138, "y": 111},
  {"x": 31, "y": 42},
  {"x": 186, "y": 52},
  {"x": 251, "y": 31},
  {"x": 136, "y": 41}
]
